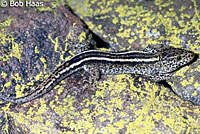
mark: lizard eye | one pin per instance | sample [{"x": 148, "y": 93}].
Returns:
[{"x": 179, "y": 58}]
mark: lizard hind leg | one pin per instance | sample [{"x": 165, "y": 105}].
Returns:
[{"x": 93, "y": 78}]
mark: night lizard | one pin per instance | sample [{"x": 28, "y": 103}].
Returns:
[{"x": 155, "y": 65}]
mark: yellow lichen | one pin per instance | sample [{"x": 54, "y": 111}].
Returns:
[
  {"x": 3, "y": 74},
  {"x": 43, "y": 61},
  {"x": 36, "y": 50}
]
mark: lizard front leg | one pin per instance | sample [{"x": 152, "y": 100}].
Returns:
[{"x": 160, "y": 77}]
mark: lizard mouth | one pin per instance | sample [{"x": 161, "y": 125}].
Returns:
[{"x": 191, "y": 59}]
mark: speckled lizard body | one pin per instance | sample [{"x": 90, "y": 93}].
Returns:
[{"x": 157, "y": 66}]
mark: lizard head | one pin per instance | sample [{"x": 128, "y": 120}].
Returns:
[{"x": 173, "y": 59}]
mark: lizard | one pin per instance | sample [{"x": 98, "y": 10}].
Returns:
[{"x": 156, "y": 65}]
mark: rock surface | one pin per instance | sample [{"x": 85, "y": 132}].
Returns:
[{"x": 34, "y": 41}]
